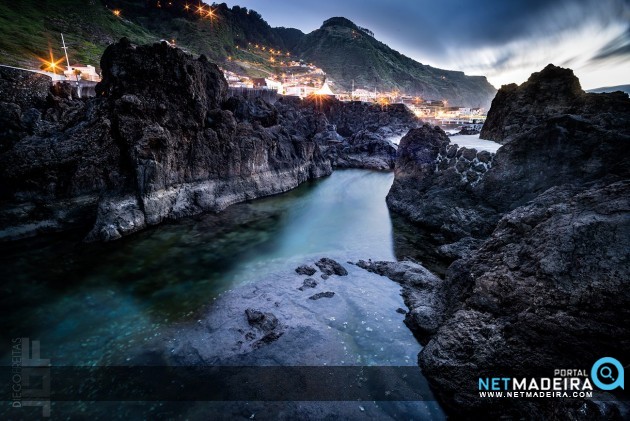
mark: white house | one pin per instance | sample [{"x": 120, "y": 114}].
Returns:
[{"x": 87, "y": 73}]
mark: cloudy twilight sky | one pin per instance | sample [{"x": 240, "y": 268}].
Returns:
[{"x": 505, "y": 40}]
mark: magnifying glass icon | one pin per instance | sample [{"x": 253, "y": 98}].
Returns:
[{"x": 606, "y": 373}]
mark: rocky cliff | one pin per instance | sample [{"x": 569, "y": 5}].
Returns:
[
  {"x": 162, "y": 141},
  {"x": 540, "y": 235},
  {"x": 552, "y": 92},
  {"x": 461, "y": 192},
  {"x": 361, "y": 133},
  {"x": 157, "y": 143}
]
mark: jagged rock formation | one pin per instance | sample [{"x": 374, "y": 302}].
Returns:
[
  {"x": 545, "y": 283},
  {"x": 467, "y": 196},
  {"x": 162, "y": 141},
  {"x": 554, "y": 91},
  {"x": 155, "y": 144},
  {"x": 353, "y": 134},
  {"x": 434, "y": 185},
  {"x": 368, "y": 130},
  {"x": 548, "y": 289}
]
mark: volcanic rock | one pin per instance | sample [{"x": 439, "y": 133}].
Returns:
[
  {"x": 319, "y": 295},
  {"x": 331, "y": 267},
  {"x": 305, "y": 270},
  {"x": 308, "y": 283},
  {"x": 541, "y": 239},
  {"x": 146, "y": 149},
  {"x": 549, "y": 93}
]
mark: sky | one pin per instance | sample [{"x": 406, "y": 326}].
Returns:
[{"x": 504, "y": 40}]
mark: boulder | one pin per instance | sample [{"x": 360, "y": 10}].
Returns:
[
  {"x": 305, "y": 270},
  {"x": 320, "y": 295},
  {"x": 308, "y": 283},
  {"x": 331, "y": 267}
]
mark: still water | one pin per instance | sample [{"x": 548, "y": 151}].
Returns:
[
  {"x": 90, "y": 304},
  {"x": 79, "y": 299}
]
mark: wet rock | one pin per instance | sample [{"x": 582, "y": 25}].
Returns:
[
  {"x": 472, "y": 176},
  {"x": 451, "y": 151},
  {"x": 324, "y": 276},
  {"x": 433, "y": 198},
  {"x": 558, "y": 149},
  {"x": 401, "y": 311},
  {"x": 484, "y": 156},
  {"x": 547, "y": 280},
  {"x": 365, "y": 149},
  {"x": 469, "y": 154},
  {"x": 331, "y": 267},
  {"x": 421, "y": 292},
  {"x": 305, "y": 270},
  {"x": 460, "y": 248},
  {"x": 462, "y": 165},
  {"x": 265, "y": 322},
  {"x": 542, "y": 276},
  {"x": 319, "y": 295},
  {"x": 479, "y": 167},
  {"x": 468, "y": 131},
  {"x": 267, "y": 339},
  {"x": 308, "y": 283}
]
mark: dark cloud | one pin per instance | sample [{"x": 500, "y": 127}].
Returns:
[
  {"x": 431, "y": 27},
  {"x": 618, "y": 47},
  {"x": 484, "y": 36}
]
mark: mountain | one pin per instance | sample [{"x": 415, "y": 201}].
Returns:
[
  {"x": 622, "y": 88},
  {"x": 347, "y": 52},
  {"x": 226, "y": 36}
]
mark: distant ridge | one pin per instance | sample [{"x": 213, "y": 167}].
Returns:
[
  {"x": 345, "y": 51},
  {"x": 348, "y": 52},
  {"x": 622, "y": 88}
]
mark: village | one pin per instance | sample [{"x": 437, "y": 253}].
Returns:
[{"x": 281, "y": 75}]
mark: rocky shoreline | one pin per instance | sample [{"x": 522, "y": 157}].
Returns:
[
  {"x": 535, "y": 236},
  {"x": 162, "y": 141},
  {"x": 539, "y": 240}
]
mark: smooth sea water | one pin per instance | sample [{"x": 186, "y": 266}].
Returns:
[{"x": 90, "y": 304}]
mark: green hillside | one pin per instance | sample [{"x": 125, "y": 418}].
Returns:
[
  {"x": 347, "y": 52},
  {"x": 31, "y": 29}
]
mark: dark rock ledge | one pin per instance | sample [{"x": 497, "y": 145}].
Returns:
[
  {"x": 540, "y": 278},
  {"x": 163, "y": 141}
]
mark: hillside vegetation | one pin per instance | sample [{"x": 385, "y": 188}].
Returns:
[
  {"x": 349, "y": 53},
  {"x": 31, "y": 30}
]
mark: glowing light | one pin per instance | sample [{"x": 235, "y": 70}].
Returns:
[
  {"x": 187, "y": 7},
  {"x": 116, "y": 12},
  {"x": 52, "y": 64}
]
